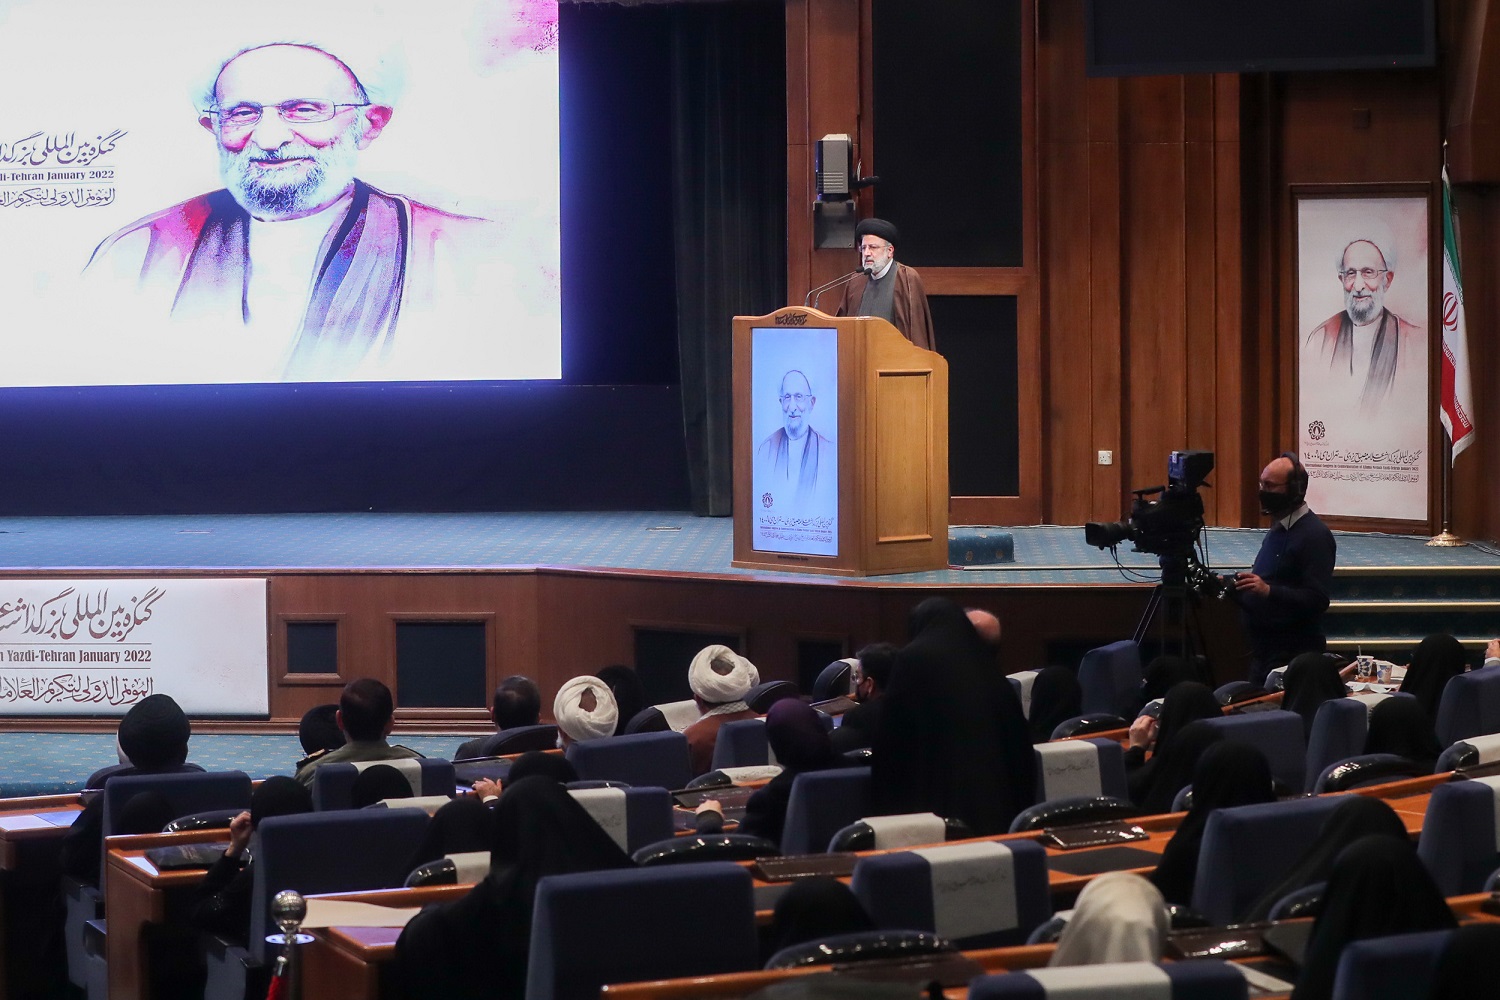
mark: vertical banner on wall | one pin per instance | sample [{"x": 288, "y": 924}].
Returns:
[
  {"x": 1363, "y": 328},
  {"x": 96, "y": 647},
  {"x": 794, "y": 416}
]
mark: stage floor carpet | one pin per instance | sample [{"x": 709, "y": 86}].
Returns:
[{"x": 673, "y": 543}]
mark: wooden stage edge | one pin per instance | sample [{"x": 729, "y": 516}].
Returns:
[{"x": 552, "y": 623}]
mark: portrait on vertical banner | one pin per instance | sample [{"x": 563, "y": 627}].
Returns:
[
  {"x": 794, "y": 420},
  {"x": 1364, "y": 339}
]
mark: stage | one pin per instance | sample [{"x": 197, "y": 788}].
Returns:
[{"x": 557, "y": 594}]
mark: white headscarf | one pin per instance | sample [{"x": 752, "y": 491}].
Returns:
[
  {"x": 1120, "y": 917},
  {"x": 577, "y": 722},
  {"x": 714, "y": 687}
]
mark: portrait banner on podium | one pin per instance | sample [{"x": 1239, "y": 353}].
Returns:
[{"x": 794, "y": 417}]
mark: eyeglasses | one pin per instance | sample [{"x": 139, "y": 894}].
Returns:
[
  {"x": 298, "y": 112},
  {"x": 1366, "y": 274},
  {"x": 874, "y": 246},
  {"x": 794, "y": 397}
]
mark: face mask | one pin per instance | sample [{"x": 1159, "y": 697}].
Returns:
[{"x": 1275, "y": 504}]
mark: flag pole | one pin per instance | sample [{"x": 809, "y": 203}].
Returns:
[{"x": 1446, "y": 539}]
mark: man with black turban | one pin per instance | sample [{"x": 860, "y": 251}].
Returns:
[{"x": 887, "y": 289}]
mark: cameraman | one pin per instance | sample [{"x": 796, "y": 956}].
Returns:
[{"x": 1283, "y": 597}]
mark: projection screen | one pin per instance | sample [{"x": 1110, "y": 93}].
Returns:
[{"x": 312, "y": 191}]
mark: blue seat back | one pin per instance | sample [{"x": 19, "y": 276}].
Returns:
[
  {"x": 1247, "y": 848},
  {"x": 984, "y": 894},
  {"x": 520, "y": 739},
  {"x": 1070, "y": 768},
  {"x": 1111, "y": 679},
  {"x": 834, "y": 680},
  {"x": 188, "y": 792},
  {"x": 1470, "y": 706},
  {"x": 338, "y": 851},
  {"x": 1363, "y": 770},
  {"x": 1472, "y": 751},
  {"x": 1195, "y": 979},
  {"x": 633, "y": 817},
  {"x": 761, "y": 697},
  {"x": 333, "y": 784},
  {"x": 821, "y": 804},
  {"x": 1338, "y": 732},
  {"x": 1397, "y": 967},
  {"x": 1458, "y": 841},
  {"x": 742, "y": 743},
  {"x": 1278, "y": 735},
  {"x": 630, "y": 925},
  {"x": 659, "y": 759}
]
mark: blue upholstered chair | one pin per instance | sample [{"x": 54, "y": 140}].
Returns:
[
  {"x": 1458, "y": 842},
  {"x": 834, "y": 680},
  {"x": 1338, "y": 732},
  {"x": 761, "y": 697},
  {"x": 892, "y": 833},
  {"x": 742, "y": 743},
  {"x": 1470, "y": 706},
  {"x": 1475, "y": 751},
  {"x": 633, "y": 817},
  {"x": 653, "y": 759},
  {"x": 1397, "y": 967},
  {"x": 1247, "y": 848},
  {"x": 337, "y": 851},
  {"x": 1069, "y": 768},
  {"x": 595, "y": 928},
  {"x": 1111, "y": 679},
  {"x": 822, "y": 803},
  {"x": 519, "y": 739},
  {"x": 1021, "y": 682},
  {"x": 1365, "y": 769},
  {"x": 1199, "y": 979},
  {"x": 1088, "y": 723},
  {"x": 983, "y": 894},
  {"x": 333, "y": 784},
  {"x": 1278, "y": 735},
  {"x": 1073, "y": 812}
]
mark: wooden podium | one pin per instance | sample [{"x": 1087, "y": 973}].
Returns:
[{"x": 816, "y": 395}]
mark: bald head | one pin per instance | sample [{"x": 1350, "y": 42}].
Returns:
[{"x": 986, "y": 624}]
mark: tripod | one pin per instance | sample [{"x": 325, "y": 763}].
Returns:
[{"x": 1181, "y": 627}]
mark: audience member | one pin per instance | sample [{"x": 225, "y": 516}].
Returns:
[
  {"x": 221, "y": 902},
  {"x": 1466, "y": 968},
  {"x": 366, "y": 716},
  {"x": 517, "y": 702},
  {"x": 319, "y": 732},
  {"x": 720, "y": 679},
  {"x": 813, "y": 909},
  {"x": 1358, "y": 816},
  {"x": 552, "y": 766},
  {"x": 1377, "y": 887},
  {"x": 1056, "y": 697},
  {"x": 378, "y": 784},
  {"x": 1310, "y": 680},
  {"x": 1119, "y": 917},
  {"x": 630, "y": 694},
  {"x": 477, "y": 946},
  {"x": 1227, "y": 775},
  {"x": 1175, "y": 765},
  {"x": 953, "y": 739},
  {"x": 585, "y": 710},
  {"x": 461, "y": 826},
  {"x": 1185, "y": 703},
  {"x": 1437, "y": 660},
  {"x": 801, "y": 744},
  {"x": 1401, "y": 727},
  {"x": 871, "y": 676},
  {"x": 152, "y": 739},
  {"x": 986, "y": 626}
]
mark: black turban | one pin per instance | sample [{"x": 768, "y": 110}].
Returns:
[
  {"x": 877, "y": 227},
  {"x": 154, "y": 733}
]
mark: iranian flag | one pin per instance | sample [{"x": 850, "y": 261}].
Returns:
[{"x": 1457, "y": 398}]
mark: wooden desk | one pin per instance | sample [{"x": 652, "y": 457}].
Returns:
[
  {"x": 136, "y": 894},
  {"x": 35, "y": 818},
  {"x": 352, "y": 963}
]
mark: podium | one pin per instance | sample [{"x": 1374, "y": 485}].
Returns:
[{"x": 840, "y": 446}]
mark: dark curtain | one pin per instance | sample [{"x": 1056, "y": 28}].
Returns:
[{"x": 729, "y": 210}]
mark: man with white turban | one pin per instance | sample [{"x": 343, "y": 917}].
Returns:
[
  {"x": 585, "y": 710},
  {"x": 720, "y": 679}
]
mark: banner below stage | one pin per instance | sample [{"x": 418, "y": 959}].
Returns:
[{"x": 96, "y": 647}]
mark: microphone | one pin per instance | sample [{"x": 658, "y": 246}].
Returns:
[{"x": 811, "y": 299}]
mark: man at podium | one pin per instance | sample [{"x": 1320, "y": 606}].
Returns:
[{"x": 887, "y": 289}]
